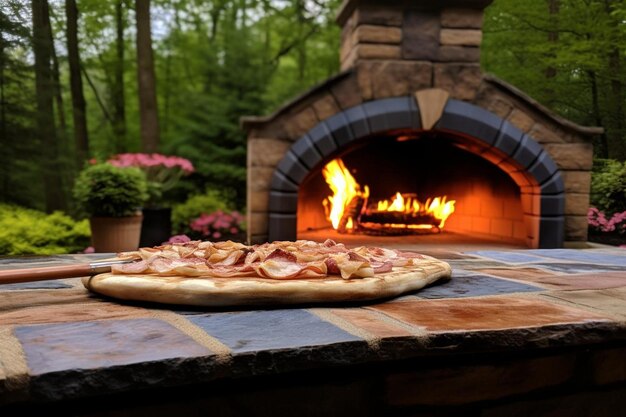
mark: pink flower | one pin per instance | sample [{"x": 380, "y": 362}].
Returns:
[
  {"x": 177, "y": 239},
  {"x": 89, "y": 249},
  {"x": 217, "y": 224},
  {"x": 161, "y": 169},
  {"x": 598, "y": 220}
]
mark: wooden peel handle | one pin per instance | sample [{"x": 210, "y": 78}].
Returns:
[{"x": 13, "y": 276}]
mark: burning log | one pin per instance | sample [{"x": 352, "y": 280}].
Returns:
[
  {"x": 374, "y": 222},
  {"x": 378, "y": 229},
  {"x": 397, "y": 217},
  {"x": 347, "y": 208},
  {"x": 351, "y": 214}
]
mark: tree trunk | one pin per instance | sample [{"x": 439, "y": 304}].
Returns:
[
  {"x": 616, "y": 143},
  {"x": 44, "y": 89},
  {"x": 148, "y": 110},
  {"x": 617, "y": 106},
  {"x": 119, "y": 101},
  {"x": 602, "y": 150},
  {"x": 4, "y": 177},
  {"x": 3, "y": 123},
  {"x": 301, "y": 40},
  {"x": 81, "y": 137},
  {"x": 58, "y": 97},
  {"x": 553, "y": 38}
]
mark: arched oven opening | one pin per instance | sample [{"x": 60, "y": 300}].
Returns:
[
  {"x": 508, "y": 187},
  {"x": 419, "y": 166}
]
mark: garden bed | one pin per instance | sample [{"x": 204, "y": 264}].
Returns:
[{"x": 612, "y": 239}]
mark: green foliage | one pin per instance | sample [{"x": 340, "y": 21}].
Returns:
[
  {"x": 608, "y": 186},
  {"x": 107, "y": 191},
  {"x": 570, "y": 60},
  {"x": 25, "y": 231},
  {"x": 209, "y": 202},
  {"x": 215, "y": 61},
  {"x": 20, "y": 178}
]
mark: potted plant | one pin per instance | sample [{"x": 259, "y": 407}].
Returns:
[
  {"x": 112, "y": 197},
  {"x": 162, "y": 172}
]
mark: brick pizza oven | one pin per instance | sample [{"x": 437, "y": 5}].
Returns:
[{"x": 412, "y": 111}]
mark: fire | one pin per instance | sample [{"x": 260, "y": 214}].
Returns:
[
  {"x": 344, "y": 188},
  {"x": 437, "y": 207},
  {"x": 403, "y": 211}
]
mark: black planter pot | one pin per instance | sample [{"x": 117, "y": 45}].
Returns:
[{"x": 156, "y": 227}]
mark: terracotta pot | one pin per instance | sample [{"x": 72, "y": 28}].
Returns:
[{"x": 115, "y": 234}]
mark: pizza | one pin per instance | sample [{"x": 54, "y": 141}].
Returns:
[{"x": 282, "y": 272}]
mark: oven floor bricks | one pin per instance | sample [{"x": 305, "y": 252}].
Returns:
[{"x": 370, "y": 76}]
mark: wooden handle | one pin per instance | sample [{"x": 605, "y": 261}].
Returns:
[{"x": 13, "y": 276}]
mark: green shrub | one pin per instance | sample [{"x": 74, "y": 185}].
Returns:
[
  {"x": 608, "y": 185},
  {"x": 209, "y": 202},
  {"x": 30, "y": 232},
  {"x": 103, "y": 190}
]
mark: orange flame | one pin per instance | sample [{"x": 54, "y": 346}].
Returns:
[
  {"x": 345, "y": 188},
  {"x": 437, "y": 207}
]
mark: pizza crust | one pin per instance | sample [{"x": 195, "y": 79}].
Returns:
[{"x": 219, "y": 292}]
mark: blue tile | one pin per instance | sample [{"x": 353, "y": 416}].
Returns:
[
  {"x": 574, "y": 268},
  {"x": 35, "y": 285},
  {"x": 12, "y": 262},
  {"x": 473, "y": 286},
  {"x": 105, "y": 343},
  {"x": 509, "y": 257},
  {"x": 459, "y": 272},
  {"x": 583, "y": 256},
  {"x": 471, "y": 265},
  {"x": 274, "y": 329}
]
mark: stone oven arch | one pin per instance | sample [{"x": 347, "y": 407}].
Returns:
[{"x": 477, "y": 130}]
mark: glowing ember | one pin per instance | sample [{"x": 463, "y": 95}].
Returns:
[{"x": 347, "y": 208}]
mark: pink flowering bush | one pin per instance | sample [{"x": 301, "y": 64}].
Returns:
[
  {"x": 177, "y": 239},
  {"x": 218, "y": 225},
  {"x": 598, "y": 221},
  {"x": 162, "y": 171}
]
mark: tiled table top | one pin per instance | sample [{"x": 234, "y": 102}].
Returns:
[{"x": 58, "y": 341}]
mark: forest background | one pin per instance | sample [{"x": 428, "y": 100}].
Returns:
[{"x": 74, "y": 72}]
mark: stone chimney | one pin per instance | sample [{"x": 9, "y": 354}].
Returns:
[{"x": 434, "y": 31}]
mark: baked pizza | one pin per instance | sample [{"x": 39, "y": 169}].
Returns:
[{"x": 230, "y": 273}]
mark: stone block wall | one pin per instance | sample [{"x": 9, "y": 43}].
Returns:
[
  {"x": 451, "y": 34},
  {"x": 569, "y": 145}
]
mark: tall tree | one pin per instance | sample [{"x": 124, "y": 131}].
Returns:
[
  {"x": 616, "y": 96},
  {"x": 20, "y": 179},
  {"x": 148, "y": 110},
  {"x": 81, "y": 138},
  {"x": 586, "y": 81},
  {"x": 553, "y": 39},
  {"x": 118, "y": 99},
  {"x": 44, "y": 89},
  {"x": 58, "y": 96}
]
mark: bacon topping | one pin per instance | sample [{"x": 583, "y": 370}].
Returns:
[{"x": 277, "y": 260}]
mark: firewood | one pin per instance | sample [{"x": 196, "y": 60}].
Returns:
[
  {"x": 352, "y": 210},
  {"x": 395, "y": 217}
]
